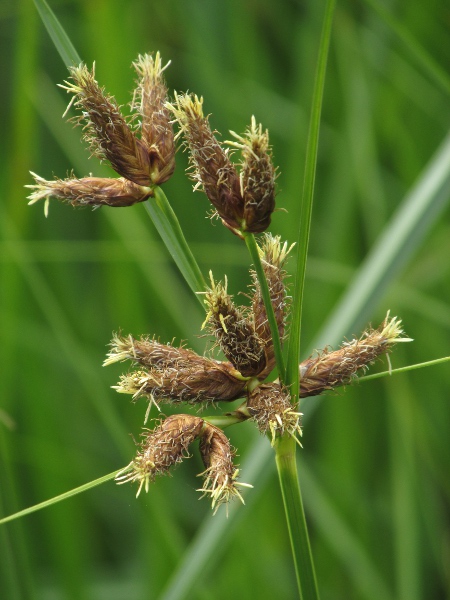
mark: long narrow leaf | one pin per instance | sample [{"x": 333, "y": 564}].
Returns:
[
  {"x": 59, "y": 37},
  {"x": 293, "y": 358},
  {"x": 169, "y": 229}
]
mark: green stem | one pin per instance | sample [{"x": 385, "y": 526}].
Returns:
[
  {"x": 69, "y": 494},
  {"x": 285, "y": 448},
  {"x": 429, "y": 363},
  {"x": 223, "y": 421},
  {"x": 169, "y": 229},
  {"x": 254, "y": 253}
]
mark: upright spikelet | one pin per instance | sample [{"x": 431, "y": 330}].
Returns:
[
  {"x": 234, "y": 331},
  {"x": 273, "y": 256}
]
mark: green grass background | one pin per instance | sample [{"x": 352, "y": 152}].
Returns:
[{"x": 375, "y": 468}]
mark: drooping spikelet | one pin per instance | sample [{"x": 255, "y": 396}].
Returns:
[
  {"x": 273, "y": 256},
  {"x": 221, "y": 474},
  {"x": 233, "y": 330},
  {"x": 168, "y": 444},
  {"x": 330, "y": 369},
  {"x": 161, "y": 449},
  {"x": 270, "y": 407}
]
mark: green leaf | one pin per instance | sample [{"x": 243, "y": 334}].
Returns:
[
  {"x": 293, "y": 357},
  {"x": 169, "y": 229},
  {"x": 58, "y": 35}
]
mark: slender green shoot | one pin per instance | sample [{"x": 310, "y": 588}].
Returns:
[
  {"x": 56, "y": 499},
  {"x": 429, "y": 363},
  {"x": 293, "y": 358},
  {"x": 170, "y": 231},
  {"x": 254, "y": 253}
]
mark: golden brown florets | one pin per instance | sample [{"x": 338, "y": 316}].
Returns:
[
  {"x": 271, "y": 408},
  {"x": 330, "y": 369},
  {"x": 244, "y": 202},
  {"x": 234, "y": 330}
]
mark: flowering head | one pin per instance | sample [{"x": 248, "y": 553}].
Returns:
[
  {"x": 244, "y": 202},
  {"x": 140, "y": 149}
]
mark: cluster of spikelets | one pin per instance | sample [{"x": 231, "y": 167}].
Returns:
[
  {"x": 168, "y": 374},
  {"x": 141, "y": 149},
  {"x": 168, "y": 443}
]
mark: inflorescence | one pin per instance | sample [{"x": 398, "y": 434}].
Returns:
[{"x": 141, "y": 149}]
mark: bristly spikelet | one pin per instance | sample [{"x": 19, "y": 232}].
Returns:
[
  {"x": 211, "y": 167},
  {"x": 201, "y": 381},
  {"x": 271, "y": 408},
  {"x": 220, "y": 475},
  {"x": 233, "y": 330},
  {"x": 149, "y": 103},
  {"x": 273, "y": 257},
  {"x": 257, "y": 176},
  {"x": 333, "y": 369},
  {"x": 161, "y": 449},
  {"x": 107, "y": 132},
  {"x": 149, "y": 353},
  {"x": 88, "y": 191}
]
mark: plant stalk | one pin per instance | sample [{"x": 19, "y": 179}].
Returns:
[
  {"x": 169, "y": 229},
  {"x": 285, "y": 457}
]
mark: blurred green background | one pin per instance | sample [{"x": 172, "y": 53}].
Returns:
[{"x": 375, "y": 468}]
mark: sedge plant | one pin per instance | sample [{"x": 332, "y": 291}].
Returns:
[{"x": 259, "y": 342}]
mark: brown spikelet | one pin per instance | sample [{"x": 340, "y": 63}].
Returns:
[
  {"x": 149, "y": 353},
  {"x": 271, "y": 408},
  {"x": 220, "y": 474},
  {"x": 161, "y": 448},
  {"x": 332, "y": 369},
  {"x": 201, "y": 381},
  {"x": 273, "y": 256},
  {"x": 257, "y": 177},
  {"x": 211, "y": 167},
  {"x": 149, "y": 103},
  {"x": 105, "y": 129},
  {"x": 233, "y": 331},
  {"x": 88, "y": 191}
]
